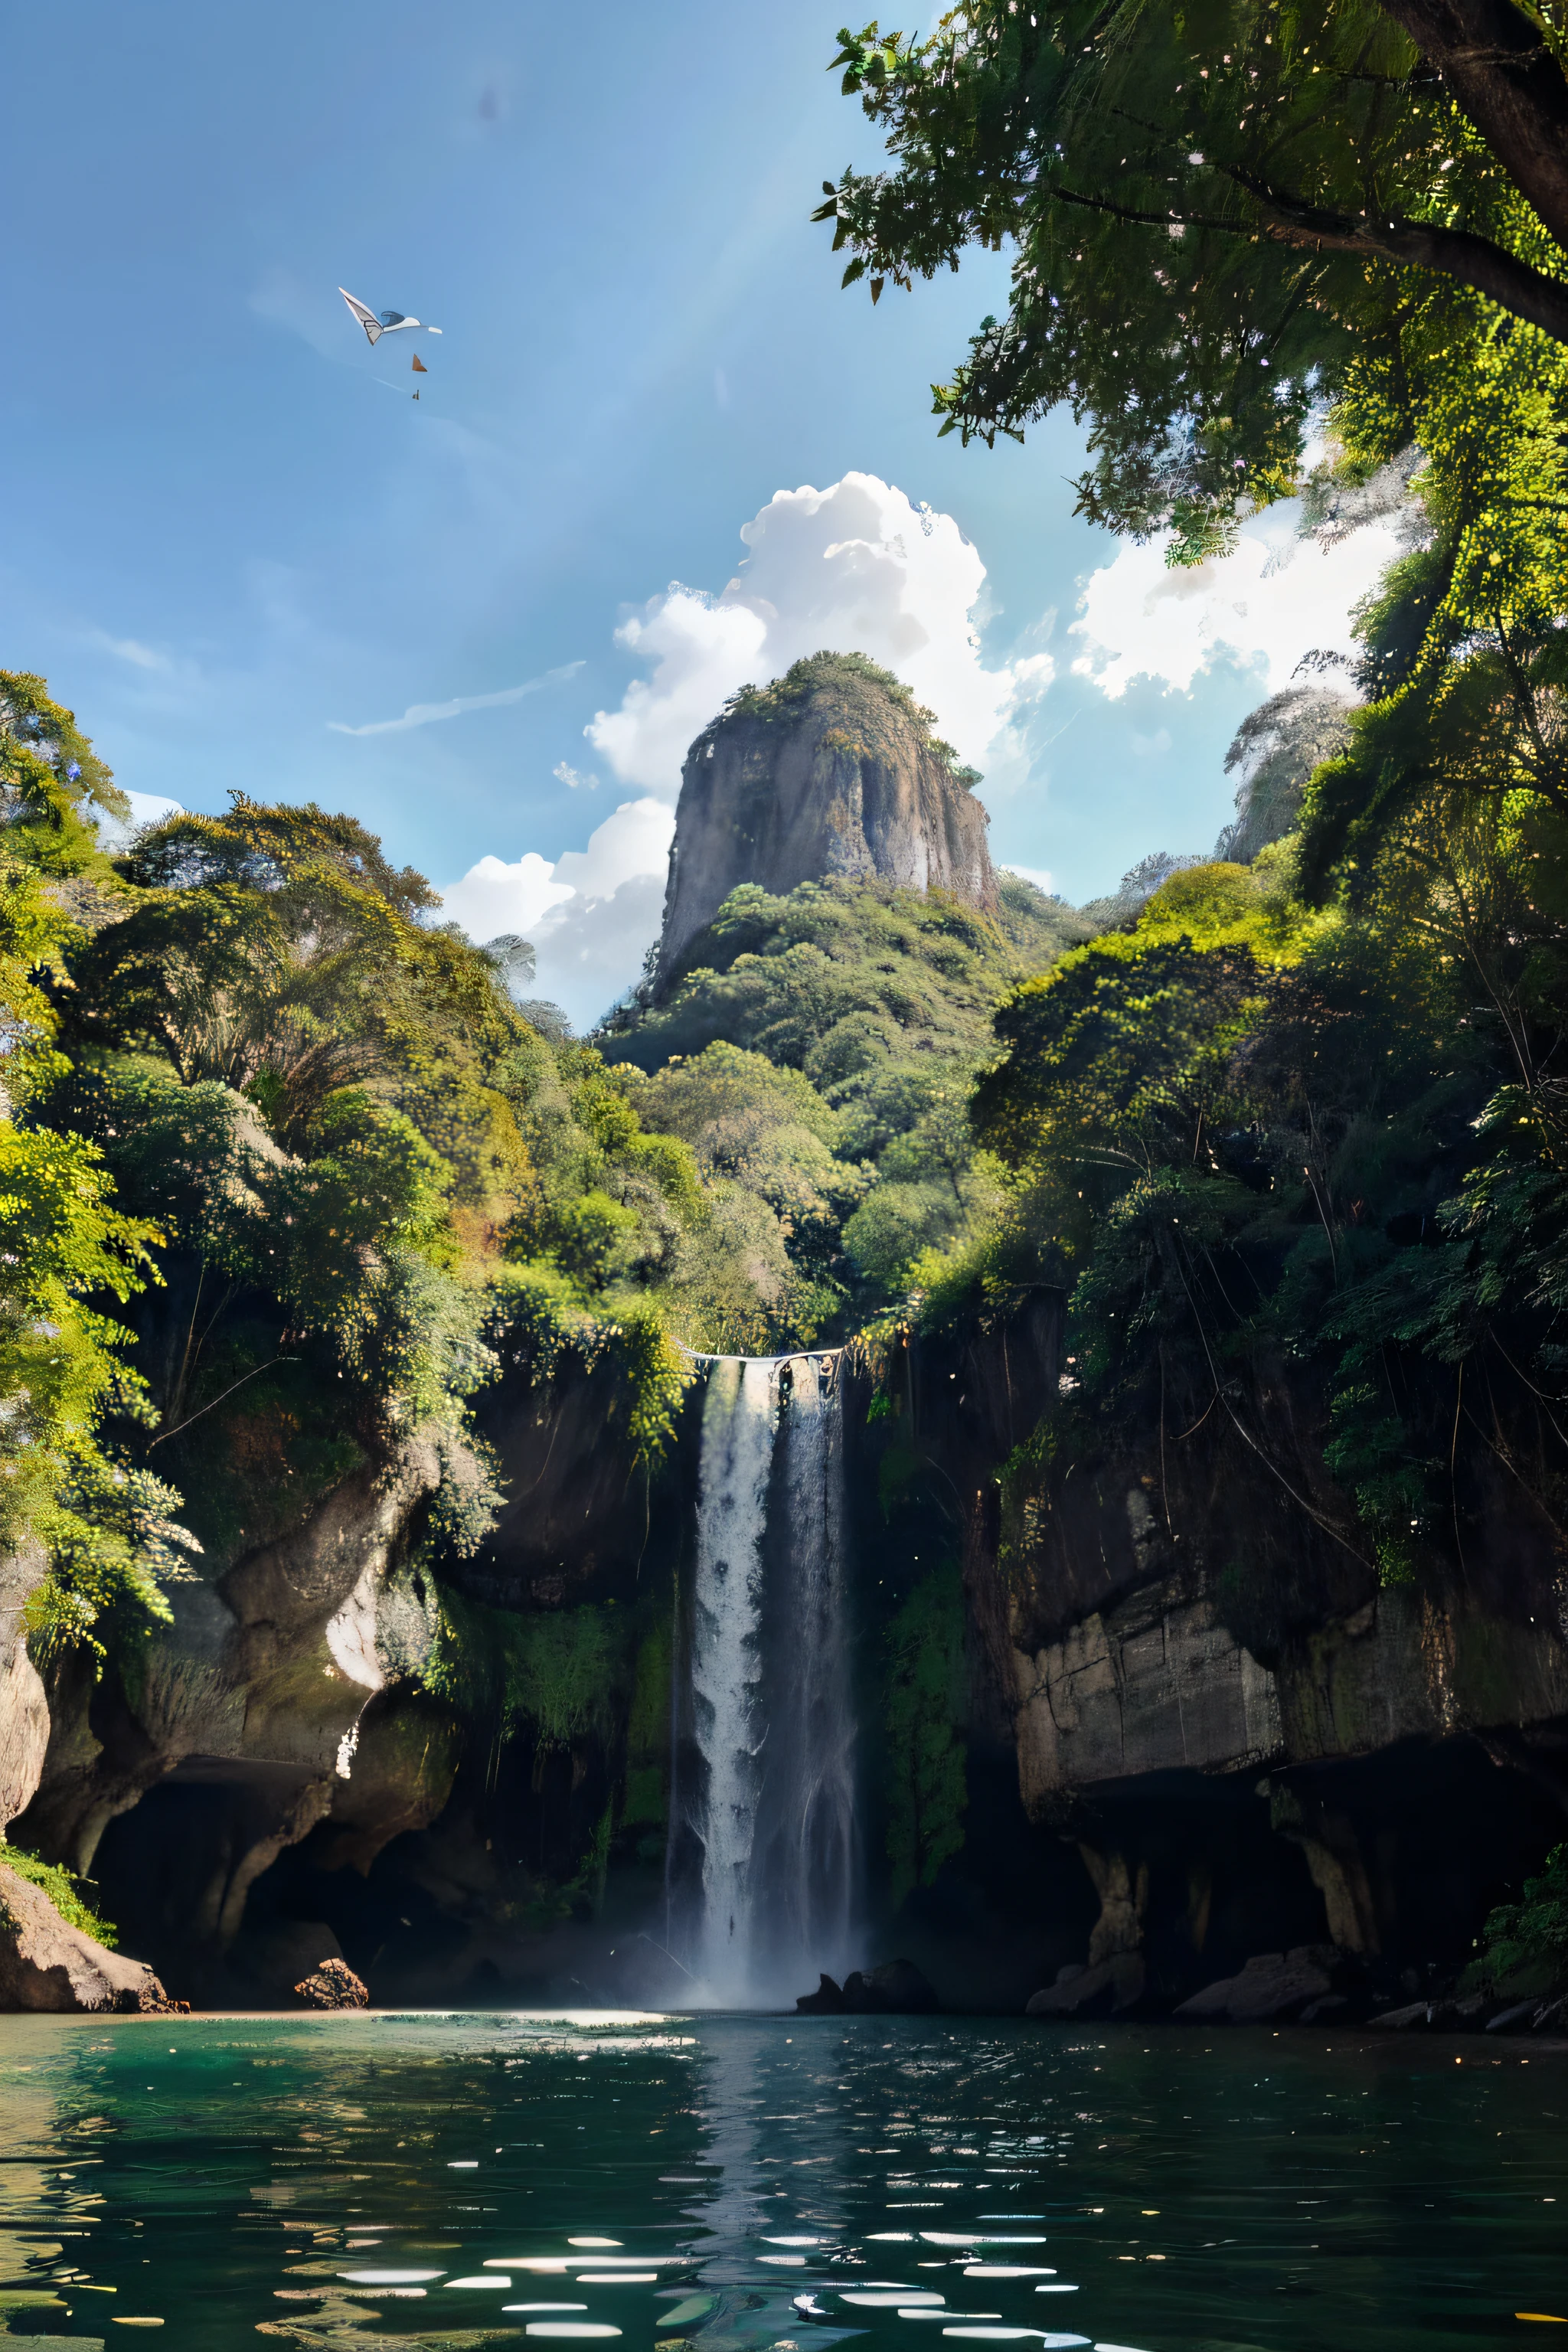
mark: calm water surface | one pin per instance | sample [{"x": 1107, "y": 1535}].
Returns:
[{"x": 229, "y": 2177}]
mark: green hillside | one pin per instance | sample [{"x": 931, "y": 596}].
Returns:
[{"x": 818, "y": 1053}]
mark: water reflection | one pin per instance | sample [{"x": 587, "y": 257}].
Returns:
[{"x": 227, "y": 2178}]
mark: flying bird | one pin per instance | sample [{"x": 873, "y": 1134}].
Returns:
[{"x": 387, "y": 323}]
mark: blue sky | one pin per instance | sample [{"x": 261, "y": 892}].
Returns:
[{"x": 232, "y": 535}]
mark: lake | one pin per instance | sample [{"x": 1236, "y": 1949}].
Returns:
[{"x": 634, "y": 2180}]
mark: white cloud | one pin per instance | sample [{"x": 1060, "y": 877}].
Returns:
[
  {"x": 426, "y": 714},
  {"x": 591, "y": 913},
  {"x": 1039, "y": 876},
  {"x": 851, "y": 569},
  {"x": 1272, "y": 599},
  {"x": 634, "y": 840},
  {"x": 131, "y": 650},
  {"x": 494, "y": 897},
  {"x": 151, "y": 808}
]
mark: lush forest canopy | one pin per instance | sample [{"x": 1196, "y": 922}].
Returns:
[
  {"x": 1225, "y": 213},
  {"x": 287, "y": 1172},
  {"x": 817, "y": 1056}
]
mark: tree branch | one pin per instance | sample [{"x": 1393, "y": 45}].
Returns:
[
  {"x": 1454, "y": 253},
  {"x": 1501, "y": 74}
]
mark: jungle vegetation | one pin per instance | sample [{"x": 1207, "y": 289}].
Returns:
[
  {"x": 287, "y": 1172},
  {"x": 817, "y": 1056}
]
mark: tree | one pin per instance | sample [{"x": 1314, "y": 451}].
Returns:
[
  {"x": 52, "y": 781},
  {"x": 1217, "y": 213},
  {"x": 108, "y": 1529}
]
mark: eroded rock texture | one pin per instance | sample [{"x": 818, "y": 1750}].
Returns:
[
  {"x": 1266, "y": 1771},
  {"x": 224, "y": 1737},
  {"x": 832, "y": 773}
]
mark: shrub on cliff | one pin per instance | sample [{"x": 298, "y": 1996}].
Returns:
[
  {"x": 73, "y": 1259},
  {"x": 1243, "y": 1134},
  {"x": 1531, "y": 1935}
]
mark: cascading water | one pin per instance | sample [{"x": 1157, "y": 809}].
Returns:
[
  {"x": 772, "y": 1713},
  {"x": 739, "y": 1422}
]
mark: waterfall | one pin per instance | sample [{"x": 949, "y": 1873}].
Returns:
[
  {"x": 740, "y": 1418},
  {"x": 772, "y": 1712}
]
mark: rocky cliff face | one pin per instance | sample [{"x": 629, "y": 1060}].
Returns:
[
  {"x": 1235, "y": 1736},
  {"x": 231, "y": 1780},
  {"x": 833, "y": 770}
]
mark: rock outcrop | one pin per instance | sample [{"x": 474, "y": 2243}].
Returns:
[
  {"x": 832, "y": 771},
  {"x": 1256, "y": 1773},
  {"x": 332, "y": 1986},
  {"x": 227, "y": 1733},
  {"x": 1272, "y": 1984},
  {"x": 46, "y": 1964}
]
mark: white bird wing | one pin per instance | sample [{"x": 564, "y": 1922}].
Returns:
[{"x": 367, "y": 318}]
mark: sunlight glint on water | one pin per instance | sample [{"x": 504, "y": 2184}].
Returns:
[{"x": 1253, "y": 2193}]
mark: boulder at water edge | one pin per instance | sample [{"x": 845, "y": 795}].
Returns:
[
  {"x": 1101, "y": 1990},
  {"x": 333, "y": 1985},
  {"x": 892, "y": 1989},
  {"x": 46, "y": 1964},
  {"x": 1272, "y": 1984}
]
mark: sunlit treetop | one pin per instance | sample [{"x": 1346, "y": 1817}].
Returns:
[
  {"x": 1216, "y": 208},
  {"x": 52, "y": 781}
]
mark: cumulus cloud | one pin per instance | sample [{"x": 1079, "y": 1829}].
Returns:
[
  {"x": 855, "y": 568},
  {"x": 852, "y": 569},
  {"x": 426, "y": 714},
  {"x": 591, "y": 913},
  {"x": 1272, "y": 599},
  {"x": 494, "y": 897}
]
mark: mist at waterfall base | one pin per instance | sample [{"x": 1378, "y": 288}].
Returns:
[{"x": 764, "y": 1864}]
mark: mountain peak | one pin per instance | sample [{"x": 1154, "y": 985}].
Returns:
[{"x": 831, "y": 770}]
